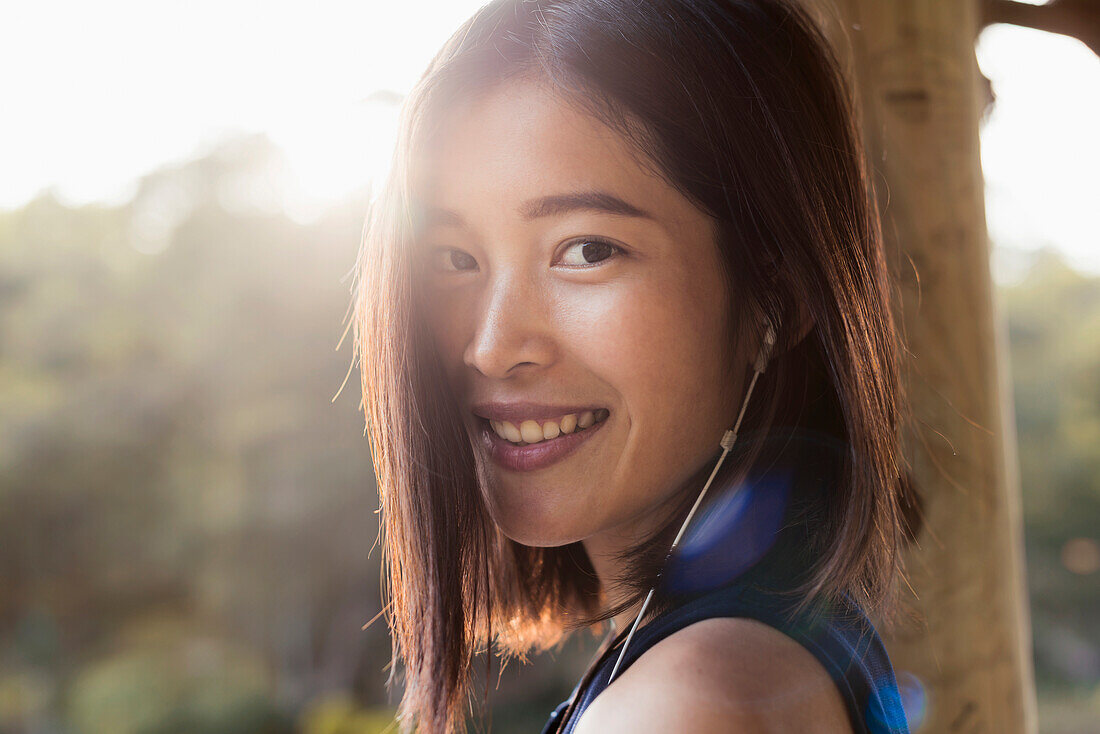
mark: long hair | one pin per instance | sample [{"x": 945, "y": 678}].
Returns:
[{"x": 743, "y": 107}]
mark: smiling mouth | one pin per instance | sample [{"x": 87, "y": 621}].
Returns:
[
  {"x": 524, "y": 456},
  {"x": 528, "y": 432}
]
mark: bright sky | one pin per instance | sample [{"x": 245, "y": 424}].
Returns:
[{"x": 94, "y": 95}]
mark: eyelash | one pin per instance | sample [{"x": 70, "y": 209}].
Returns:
[{"x": 617, "y": 251}]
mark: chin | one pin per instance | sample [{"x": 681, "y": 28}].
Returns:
[{"x": 534, "y": 521}]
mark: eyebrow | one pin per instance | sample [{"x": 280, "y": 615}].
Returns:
[
  {"x": 598, "y": 201},
  {"x": 553, "y": 205}
]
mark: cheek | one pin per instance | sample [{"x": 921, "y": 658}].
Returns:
[
  {"x": 449, "y": 321},
  {"x": 658, "y": 341}
]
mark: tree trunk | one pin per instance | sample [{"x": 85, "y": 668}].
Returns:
[{"x": 913, "y": 66}]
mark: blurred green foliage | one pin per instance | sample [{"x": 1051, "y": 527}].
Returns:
[
  {"x": 1053, "y": 318},
  {"x": 187, "y": 518}
]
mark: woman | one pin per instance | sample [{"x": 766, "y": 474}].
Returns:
[{"x": 609, "y": 223}]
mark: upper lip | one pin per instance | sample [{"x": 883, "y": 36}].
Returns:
[{"x": 519, "y": 410}]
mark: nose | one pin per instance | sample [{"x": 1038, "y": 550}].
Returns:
[{"x": 513, "y": 331}]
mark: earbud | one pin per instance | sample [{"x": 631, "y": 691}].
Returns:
[{"x": 766, "y": 347}]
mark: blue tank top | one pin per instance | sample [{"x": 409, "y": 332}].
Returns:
[
  {"x": 842, "y": 638},
  {"x": 776, "y": 511}
]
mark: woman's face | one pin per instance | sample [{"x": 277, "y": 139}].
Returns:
[{"x": 563, "y": 278}]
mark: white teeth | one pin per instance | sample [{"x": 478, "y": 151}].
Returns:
[
  {"x": 529, "y": 431},
  {"x": 511, "y": 432}
]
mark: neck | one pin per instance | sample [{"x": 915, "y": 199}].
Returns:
[
  {"x": 605, "y": 549},
  {"x": 602, "y": 552}
]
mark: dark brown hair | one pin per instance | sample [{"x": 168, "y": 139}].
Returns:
[{"x": 742, "y": 106}]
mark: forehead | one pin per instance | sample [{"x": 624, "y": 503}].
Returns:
[{"x": 522, "y": 140}]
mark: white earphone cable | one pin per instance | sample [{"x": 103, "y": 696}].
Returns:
[{"x": 727, "y": 442}]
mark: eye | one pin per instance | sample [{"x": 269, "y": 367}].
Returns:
[
  {"x": 589, "y": 251},
  {"x": 450, "y": 260}
]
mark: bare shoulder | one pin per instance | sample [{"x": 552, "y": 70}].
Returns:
[{"x": 721, "y": 675}]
